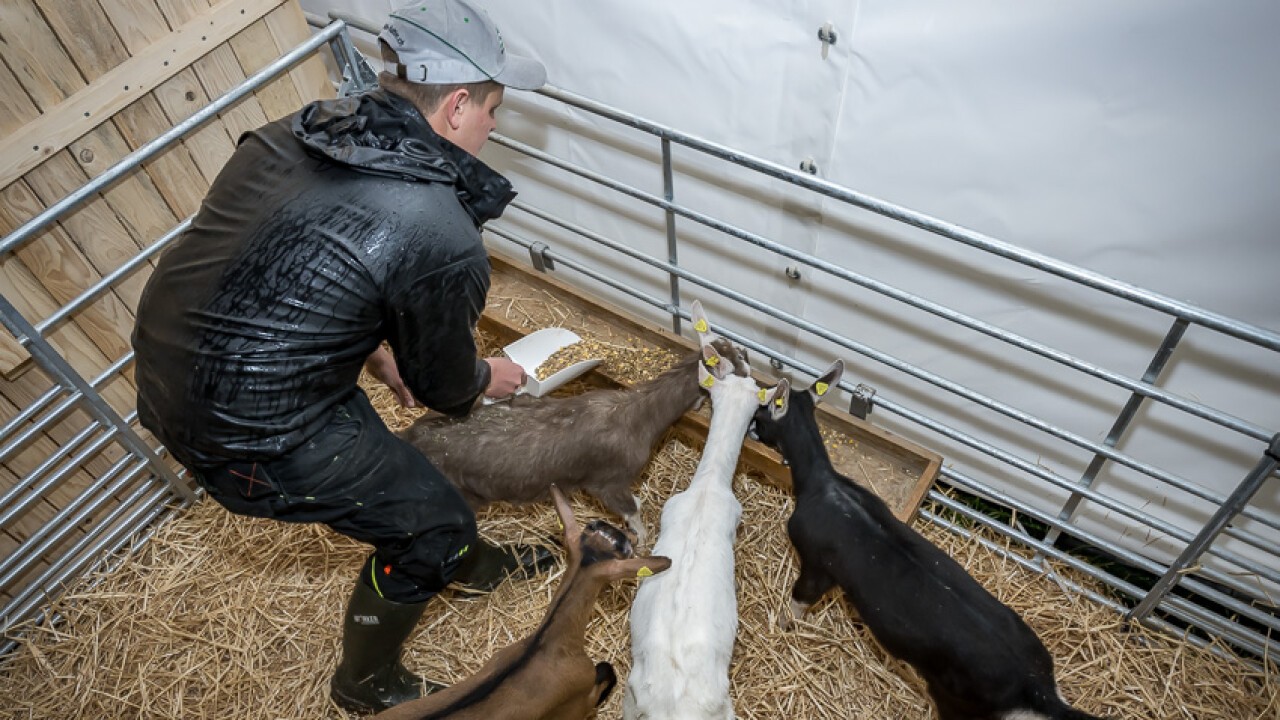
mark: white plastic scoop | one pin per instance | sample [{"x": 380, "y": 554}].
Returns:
[{"x": 530, "y": 351}]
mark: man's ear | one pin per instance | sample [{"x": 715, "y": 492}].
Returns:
[
  {"x": 825, "y": 384},
  {"x": 777, "y": 398},
  {"x": 455, "y": 105}
]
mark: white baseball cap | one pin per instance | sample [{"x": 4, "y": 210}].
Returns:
[{"x": 448, "y": 42}]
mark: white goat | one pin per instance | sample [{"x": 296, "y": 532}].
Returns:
[{"x": 683, "y": 622}]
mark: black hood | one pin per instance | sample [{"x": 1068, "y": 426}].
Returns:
[{"x": 381, "y": 133}]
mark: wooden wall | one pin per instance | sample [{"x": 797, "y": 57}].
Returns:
[{"x": 83, "y": 83}]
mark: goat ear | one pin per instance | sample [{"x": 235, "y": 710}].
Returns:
[
  {"x": 641, "y": 567},
  {"x": 823, "y": 386},
  {"x": 700, "y": 324},
  {"x": 713, "y": 367},
  {"x": 777, "y": 398},
  {"x": 571, "y": 530}
]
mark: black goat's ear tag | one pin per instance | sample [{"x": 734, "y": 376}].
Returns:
[
  {"x": 777, "y": 399},
  {"x": 823, "y": 386}
]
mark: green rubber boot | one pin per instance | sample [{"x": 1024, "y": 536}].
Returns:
[
  {"x": 370, "y": 677},
  {"x": 486, "y": 566}
]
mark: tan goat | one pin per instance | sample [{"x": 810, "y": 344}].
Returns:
[{"x": 548, "y": 675}]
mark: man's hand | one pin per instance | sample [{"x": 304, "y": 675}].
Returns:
[
  {"x": 382, "y": 366},
  {"x": 505, "y": 377}
]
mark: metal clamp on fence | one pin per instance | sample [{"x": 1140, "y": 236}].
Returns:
[
  {"x": 540, "y": 257},
  {"x": 860, "y": 405}
]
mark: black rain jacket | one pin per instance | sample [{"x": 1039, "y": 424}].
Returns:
[{"x": 327, "y": 232}]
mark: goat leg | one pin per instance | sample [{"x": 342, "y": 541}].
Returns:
[{"x": 812, "y": 584}]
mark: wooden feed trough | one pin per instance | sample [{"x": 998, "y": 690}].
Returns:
[{"x": 522, "y": 301}]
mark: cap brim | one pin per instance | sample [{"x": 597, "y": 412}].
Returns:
[{"x": 522, "y": 73}]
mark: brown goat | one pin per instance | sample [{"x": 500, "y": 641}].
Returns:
[
  {"x": 548, "y": 675},
  {"x": 597, "y": 441}
]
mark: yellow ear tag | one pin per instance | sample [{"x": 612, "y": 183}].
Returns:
[
  {"x": 821, "y": 388},
  {"x": 762, "y": 397},
  {"x": 708, "y": 381},
  {"x": 712, "y": 361},
  {"x": 700, "y": 326},
  {"x": 778, "y": 402},
  {"x": 644, "y": 572}
]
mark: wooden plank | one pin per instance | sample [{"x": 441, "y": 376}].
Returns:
[
  {"x": 148, "y": 24},
  {"x": 41, "y": 65},
  {"x": 116, "y": 84},
  {"x": 289, "y": 28},
  {"x": 64, "y": 273},
  {"x": 101, "y": 239},
  {"x": 173, "y": 172},
  {"x": 904, "y": 457},
  {"x": 255, "y": 49},
  {"x": 211, "y": 145}
]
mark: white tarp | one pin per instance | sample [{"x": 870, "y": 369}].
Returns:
[{"x": 1133, "y": 139}]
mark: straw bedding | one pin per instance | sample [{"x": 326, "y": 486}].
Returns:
[{"x": 220, "y": 616}]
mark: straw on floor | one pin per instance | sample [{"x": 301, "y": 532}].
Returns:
[{"x": 220, "y": 616}]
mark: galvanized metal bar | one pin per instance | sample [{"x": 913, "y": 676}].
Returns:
[
  {"x": 110, "y": 551},
  {"x": 106, "y": 281},
  {"x": 673, "y": 256},
  {"x": 29, "y": 553},
  {"x": 1035, "y": 470},
  {"x": 1198, "y": 409},
  {"x": 1239, "y": 636},
  {"x": 1200, "y": 316},
  {"x": 33, "y": 226},
  {"x": 11, "y": 511},
  {"x": 61, "y": 370},
  {"x": 55, "y": 414},
  {"x": 986, "y": 448},
  {"x": 1208, "y": 592},
  {"x": 121, "y": 523},
  {"x": 1130, "y": 409},
  {"x": 1032, "y": 421},
  {"x": 30, "y": 411},
  {"x": 1203, "y": 540},
  {"x": 356, "y": 73},
  {"x": 807, "y": 326}
]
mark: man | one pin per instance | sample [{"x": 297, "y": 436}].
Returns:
[{"x": 349, "y": 223}]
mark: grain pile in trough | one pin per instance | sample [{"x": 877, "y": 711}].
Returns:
[{"x": 220, "y": 616}]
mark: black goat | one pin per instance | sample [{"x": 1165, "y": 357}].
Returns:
[{"x": 980, "y": 660}]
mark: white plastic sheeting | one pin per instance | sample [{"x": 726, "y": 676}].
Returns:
[{"x": 1133, "y": 139}]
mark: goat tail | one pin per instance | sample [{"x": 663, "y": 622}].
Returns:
[{"x": 606, "y": 677}]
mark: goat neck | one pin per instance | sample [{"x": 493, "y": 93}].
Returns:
[
  {"x": 733, "y": 401},
  {"x": 800, "y": 442},
  {"x": 667, "y": 397},
  {"x": 572, "y": 607}
]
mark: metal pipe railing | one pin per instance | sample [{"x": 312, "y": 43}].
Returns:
[
  {"x": 56, "y": 414},
  {"x": 1216, "y": 321},
  {"x": 1189, "y": 406},
  {"x": 986, "y": 448}
]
